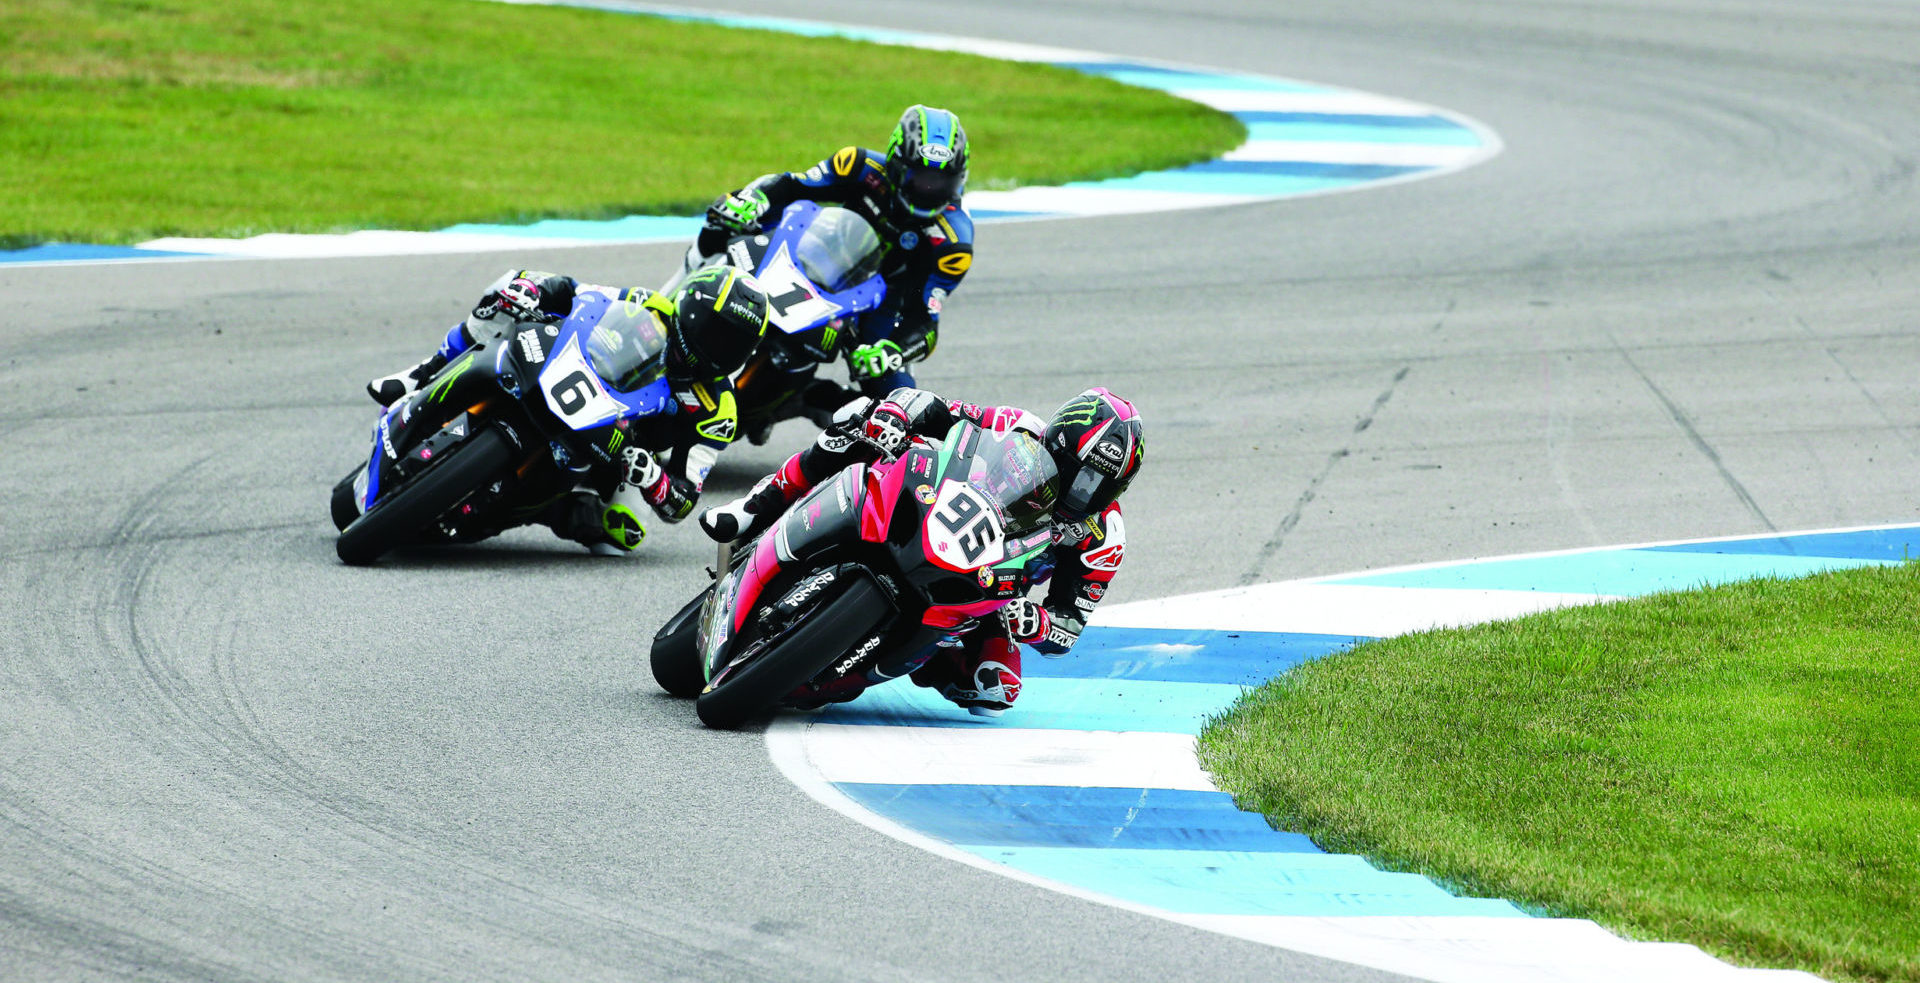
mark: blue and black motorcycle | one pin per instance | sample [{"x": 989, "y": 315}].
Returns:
[
  {"x": 821, "y": 269},
  {"x": 505, "y": 429}
]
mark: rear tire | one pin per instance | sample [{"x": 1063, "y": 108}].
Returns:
[
  {"x": 676, "y": 657},
  {"x": 823, "y": 637},
  {"x": 400, "y": 518}
]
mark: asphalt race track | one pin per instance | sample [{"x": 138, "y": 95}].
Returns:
[{"x": 1682, "y": 303}]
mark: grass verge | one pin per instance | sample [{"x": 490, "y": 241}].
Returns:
[
  {"x": 130, "y": 119},
  {"x": 1736, "y": 767}
]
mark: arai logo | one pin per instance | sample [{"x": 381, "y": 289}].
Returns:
[{"x": 936, "y": 153}]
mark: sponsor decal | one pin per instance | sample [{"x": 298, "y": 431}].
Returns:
[
  {"x": 530, "y": 347},
  {"x": 955, "y": 264},
  {"x": 843, "y": 160},
  {"x": 1094, "y": 592},
  {"x": 924, "y": 493},
  {"x": 426, "y": 453},
  {"x": 986, "y": 578},
  {"x": 722, "y": 429},
  {"x": 1109, "y": 450},
  {"x": 1106, "y": 557},
  {"x": 936, "y": 300},
  {"x": 866, "y": 647},
  {"x": 741, "y": 256},
  {"x": 386, "y": 441},
  {"x": 936, "y": 153},
  {"x": 909, "y": 239},
  {"x": 815, "y": 174},
  {"x": 840, "y": 493},
  {"x": 552, "y": 330}
]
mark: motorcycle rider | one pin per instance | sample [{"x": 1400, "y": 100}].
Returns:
[
  {"x": 1096, "y": 441},
  {"x": 911, "y": 196},
  {"x": 712, "y": 323}
]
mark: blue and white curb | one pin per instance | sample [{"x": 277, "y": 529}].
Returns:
[
  {"x": 1303, "y": 139},
  {"x": 1091, "y": 786}
]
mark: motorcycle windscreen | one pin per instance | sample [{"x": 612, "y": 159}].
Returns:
[
  {"x": 997, "y": 487},
  {"x": 838, "y": 250},
  {"x": 628, "y": 347}
]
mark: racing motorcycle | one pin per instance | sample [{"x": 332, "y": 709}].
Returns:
[
  {"x": 820, "y": 268},
  {"x": 867, "y": 574},
  {"x": 506, "y": 428}
]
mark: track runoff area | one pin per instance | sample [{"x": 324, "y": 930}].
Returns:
[{"x": 1092, "y": 788}]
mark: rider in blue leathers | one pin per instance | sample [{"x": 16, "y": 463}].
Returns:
[{"x": 911, "y": 195}]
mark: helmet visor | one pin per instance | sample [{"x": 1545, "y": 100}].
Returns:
[
  {"x": 928, "y": 190},
  {"x": 1084, "y": 496}
]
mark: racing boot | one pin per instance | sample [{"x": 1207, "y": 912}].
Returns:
[
  {"x": 746, "y": 516},
  {"x": 986, "y": 683},
  {"x": 390, "y": 389},
  {"x": 606, "y": 528}
]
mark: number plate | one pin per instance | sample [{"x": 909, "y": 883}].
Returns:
[
  {"x": 963, "y": 532},
  {"x": 574, "y": 393},
  {"x": 796, "y": 302}
]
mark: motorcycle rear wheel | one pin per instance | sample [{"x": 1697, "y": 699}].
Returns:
[
  {"x": 676, "y": 659},
  {"x": 827, "y": 635},
  {"x": 400, "y": 518}
]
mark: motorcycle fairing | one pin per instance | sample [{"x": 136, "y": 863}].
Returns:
[{"x": 800, "y": 305}]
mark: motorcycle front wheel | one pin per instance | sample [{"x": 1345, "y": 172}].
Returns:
[
  {"x": 676, "y": 657},
  {"x": 825, "y": 636},
  {"x": 399, "y": 518}
]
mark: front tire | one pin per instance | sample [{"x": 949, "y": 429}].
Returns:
[
  {"x": 676, "y": 655},
  {"x": 401, "y": 517},
  {"x": 823, "y": 637}
]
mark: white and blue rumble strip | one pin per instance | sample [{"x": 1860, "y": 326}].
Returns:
[
  {"x": 1303, "y": 139},
  {"x": 1090, "y": 784}
]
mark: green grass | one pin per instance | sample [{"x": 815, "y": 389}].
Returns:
[
  {"x": 1737, "y": 767},
  {"x": 122, "y": 120}
]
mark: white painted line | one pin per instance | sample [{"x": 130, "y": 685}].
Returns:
[
  {"x": 1336, "y": 609},
  {"x": 1003, "y": 756},
  {"x": 1490, "y": 950},
  {"x": 1331, "y": 152},
  {"x": 1340, "y": 102}
]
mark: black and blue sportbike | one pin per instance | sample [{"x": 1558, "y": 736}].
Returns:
[
  {"x": 820, "y": 267},
  {"x": 503, "y": 430}
]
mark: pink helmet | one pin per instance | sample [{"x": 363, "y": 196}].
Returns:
[{"x": 1097, "y": 443}]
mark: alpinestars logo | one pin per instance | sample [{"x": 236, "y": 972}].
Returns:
[{"x": 722, "y": 429}]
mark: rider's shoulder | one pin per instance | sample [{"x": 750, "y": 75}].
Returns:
[
  {"x": 849, "y": 163},
  {"x": 957, "y": 224}
]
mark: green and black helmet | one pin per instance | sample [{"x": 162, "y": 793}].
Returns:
[
  {"x": 927, "y": 161},
  {"x": 720, "y": 315}
]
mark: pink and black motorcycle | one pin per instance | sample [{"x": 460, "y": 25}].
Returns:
[{"x": 867, "y": 574}]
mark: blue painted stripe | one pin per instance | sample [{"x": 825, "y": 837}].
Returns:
[
  {"x": 1306, "y": 168},
  {"x": 1866, "y": 544},
  {"x": 1200, "y": 655},
  {"x": 56, "y": 252},
  {"x": 1250, "y": 185},
  {"x": 1370, "y": 120},
  {"x": 1458, "y": 136},
  {"x": 1165, "y": 79},
  {"x": 1626, "y": 572},
  {"x": 1243, "y": 883},
  {"x": 1049, "y": 815}
]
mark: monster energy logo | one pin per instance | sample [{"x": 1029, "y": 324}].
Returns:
[
  {"x": 614, "y": 442},
  {"x": 445, "y": 385},
  {"x": 1082, "y": 409}
]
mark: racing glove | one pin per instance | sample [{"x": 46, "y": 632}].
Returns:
[
  {"x": 1025, "y": 621},
  {"x": 886, "y": 427},
  {"x": 645, "y": 474},
  {"x": 1062, "y": 632},
  {"x": 875, "y": 360},
  {"x": 738, "y": 212}
]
